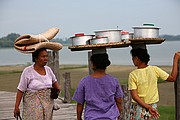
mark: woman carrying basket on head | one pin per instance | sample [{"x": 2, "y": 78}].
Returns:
[{"x": 35, "y": 87}]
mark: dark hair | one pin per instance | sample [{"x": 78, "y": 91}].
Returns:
[
  {"x": 142, "y": 54},
  {"x": 36, "y": 54},
  {"x": 101, "y": 61}
]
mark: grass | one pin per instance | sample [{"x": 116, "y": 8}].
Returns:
[
  {"x": 64, "y": 67},
  {"x": 11, "y": 72},
  {"x": 166, "y": 112}
]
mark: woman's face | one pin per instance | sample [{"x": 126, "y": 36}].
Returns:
[
  {"x": 135, "y": 60},
  {"x": 42, "y": 58}
]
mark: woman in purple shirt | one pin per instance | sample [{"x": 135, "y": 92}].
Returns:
[{"x": 101, "y": 93}]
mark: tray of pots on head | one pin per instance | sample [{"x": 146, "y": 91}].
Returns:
[
  {"x": 101, "y": 39},
  {"x": 146, "y": 34}
]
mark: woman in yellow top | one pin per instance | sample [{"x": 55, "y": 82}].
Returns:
[{"x": 142, "y": 84}]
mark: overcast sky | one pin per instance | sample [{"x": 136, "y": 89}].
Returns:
[{"x": 74, "y": 16}]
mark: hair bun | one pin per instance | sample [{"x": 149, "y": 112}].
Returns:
[{"x": 101, "y": 61}]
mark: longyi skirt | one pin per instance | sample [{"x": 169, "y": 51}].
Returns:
[
  {"x": 37, "y": 105},
  {"x": 137, "y": 112}
]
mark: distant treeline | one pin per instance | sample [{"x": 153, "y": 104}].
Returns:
[{"x": 8, "y": 41}]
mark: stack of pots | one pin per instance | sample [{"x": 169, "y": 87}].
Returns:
[
  {"x": 148, "y": 30},
  {"x": 106, "y": 36}
]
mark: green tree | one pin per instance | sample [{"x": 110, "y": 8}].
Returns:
[{"x": 8, "y": 41}]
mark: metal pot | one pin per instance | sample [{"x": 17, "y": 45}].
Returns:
[
  {"x": 81, "y": 40},
  {"x": 131, "y": 35},
  {"x": 124, "y": 36},
  {"x": 100, "y": 40},
  {"x": 146, "y": 32},
  {"x": 113, "y": 35}
]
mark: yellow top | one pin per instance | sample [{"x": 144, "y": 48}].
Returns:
[{"x": 145, "y": 81}]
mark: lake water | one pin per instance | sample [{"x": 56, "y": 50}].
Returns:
[{"x": 160, "y": 54}]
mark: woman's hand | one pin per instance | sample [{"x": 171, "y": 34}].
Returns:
[
  {"x": 16, "y": 111},
  {"x": 18, "y": 100},
  {"x": 177, "y": 55},
  {"x": 56, "y": 85},
  {"x": 153, "y": 112}
]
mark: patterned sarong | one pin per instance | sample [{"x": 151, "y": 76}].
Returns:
[
  {"x": 137, "y": 112},
  {"x": 37, "y": 105}
]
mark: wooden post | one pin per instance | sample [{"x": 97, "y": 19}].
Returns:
[
  {"x": 89, "y": 62},
  {"x": 126, "y": 102},
  {"x": 177, "y": 94},
  {"x": 67, "y": 87},
  {"x": 53, "y": 63}
]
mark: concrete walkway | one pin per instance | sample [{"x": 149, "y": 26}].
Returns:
[{"x": 7, "y": 101}]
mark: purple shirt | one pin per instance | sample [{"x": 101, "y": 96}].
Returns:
[{"x": 99, "y": 94}]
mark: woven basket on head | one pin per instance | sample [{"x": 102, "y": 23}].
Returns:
[{"x": 30, "y": 43}]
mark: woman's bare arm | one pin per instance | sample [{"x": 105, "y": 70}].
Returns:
[{"x": 17, "y": 103}]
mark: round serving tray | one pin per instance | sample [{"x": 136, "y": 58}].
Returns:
[
  {"x": 146, "y": 40},
  {"x": 96, "y": 46}
]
